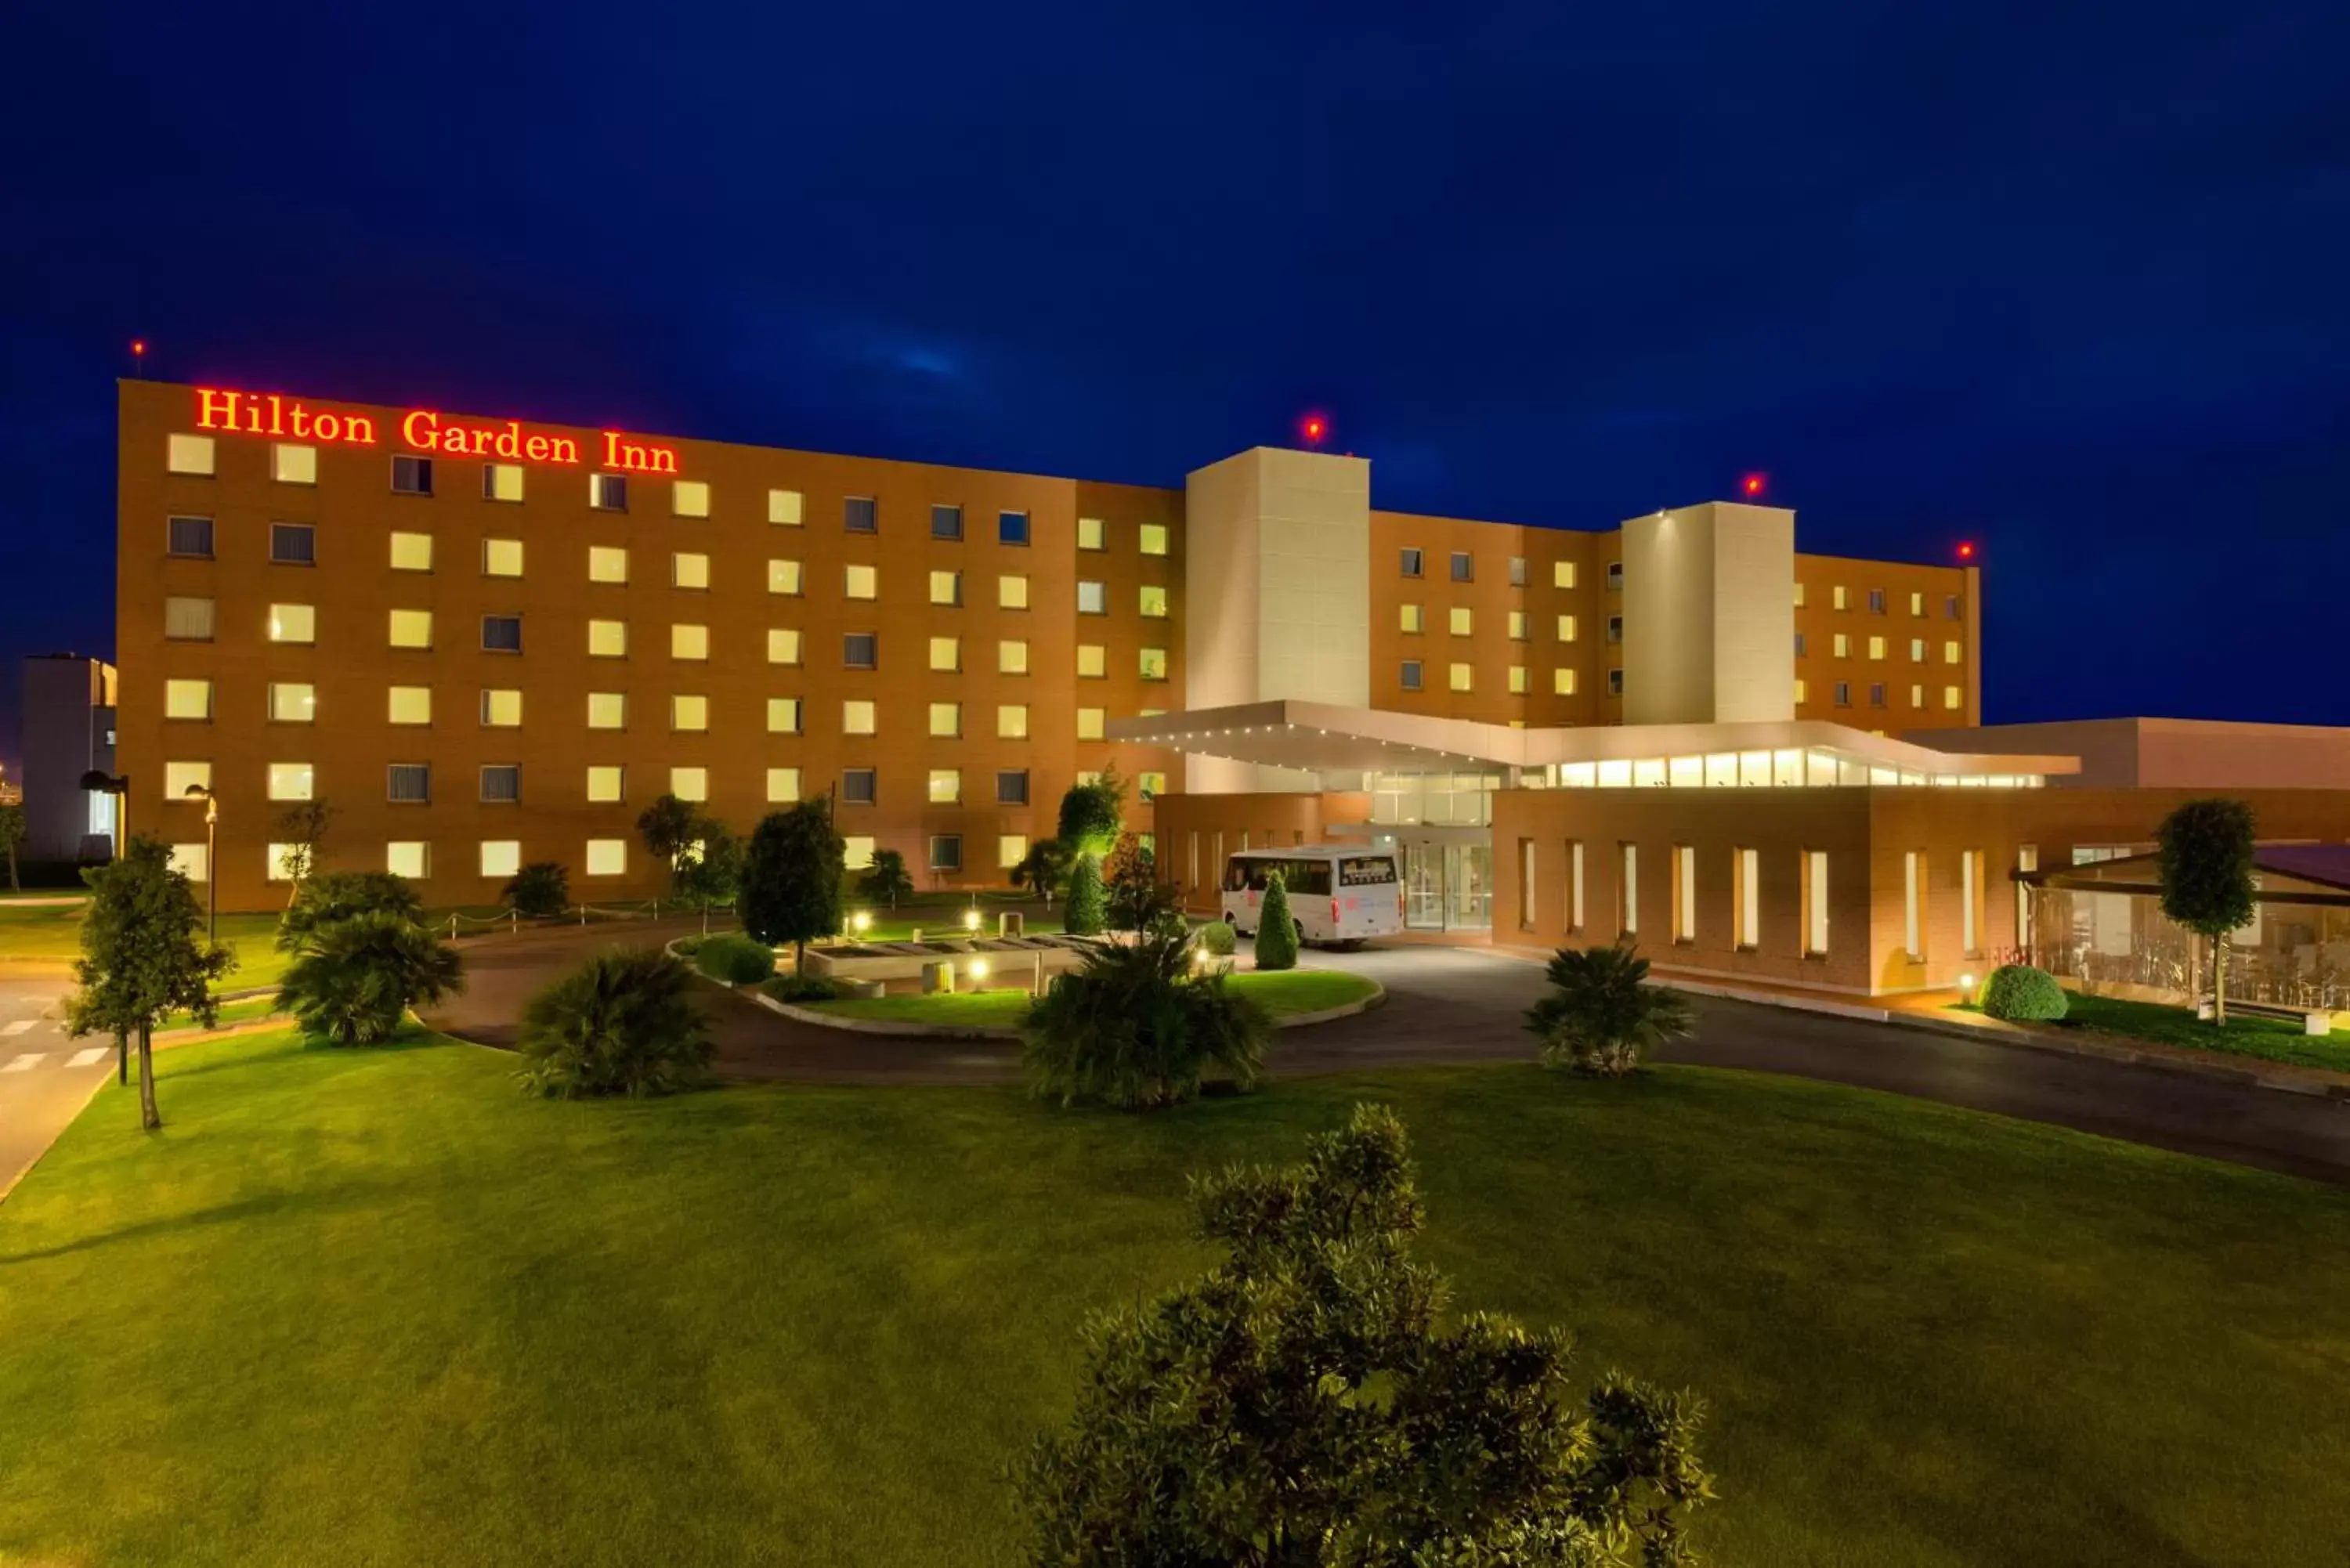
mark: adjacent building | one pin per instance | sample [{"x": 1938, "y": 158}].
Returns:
[{"x": 68, "y": 732}]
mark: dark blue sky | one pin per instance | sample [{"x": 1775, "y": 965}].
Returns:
[{"x": 2072, "y": 281}]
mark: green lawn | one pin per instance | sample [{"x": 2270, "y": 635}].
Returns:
[
  {"x": 54, "y": 931},
  {"x": 231, "y": 1012},
  {"x": 1291, "y": 991},
  {"x": 376, "y": 1306},
  {"x": 2271, "y": 1039}
]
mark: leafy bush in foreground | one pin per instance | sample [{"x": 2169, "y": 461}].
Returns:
[
  {"x": 1138, "y": 1027},
  {"x": 622, "y": 1023},
  {"x": 735, "y": 959},
  {"x": 2023, "y": 994},
  {"x": 357, "y": 978},
  {"x": 1601, "y": 1015}
]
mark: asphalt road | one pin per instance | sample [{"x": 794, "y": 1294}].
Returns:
[
  {"x": 1464, "y": 1004},
  {"x": 44, "y": 1078}
]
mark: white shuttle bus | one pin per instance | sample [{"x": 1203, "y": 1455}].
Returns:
[{"x": 1339, "y": 895}]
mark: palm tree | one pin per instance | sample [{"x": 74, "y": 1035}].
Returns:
[
  {"x": 357, "y": 978},
  {"x": 622, "y": 1024},
  {"x": 1601, "y": 1014},
  {"x": 1138, "y": 1027}
]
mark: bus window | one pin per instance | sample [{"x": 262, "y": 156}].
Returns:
[
  {"x": 1365, "y": 870},
  {"x": 1236, "y": 876},
  {"x": 1311, "y": 877}
]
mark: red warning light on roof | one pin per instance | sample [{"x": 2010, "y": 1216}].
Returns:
[
  {"x": 1314, "y": 426},
  {"x": 1751, "y": 484},
  {"x": 1965, "y": 549},
  {"x": 138, "y": 346}
]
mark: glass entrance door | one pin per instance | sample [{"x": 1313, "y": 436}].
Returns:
[
  {"x": 1468, "y": 881},
  {"x": 1423, "y": 887}
]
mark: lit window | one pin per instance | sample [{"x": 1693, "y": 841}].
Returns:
[
  {"x": 1518, "y": 625},
  {"x": 689, "y": 641},
  {"x": 860, "y": 515},
  {"x": 502, "y": 558},
  {"x": 1412, "y": 618},
  {"x": 946, "y": 852},
  {"x": 607, "y": 710},
  {"x": 690, "y": 783},
  {"x": 1803, "y": 691},
  {"x": 1011, "y": 850},
  {"x": 280, "y": 858},
  {"x": 412, "y": 475},
  {"x": 606, "y": 563},
  {"x": 293, "y": 544},
  {"x": 1917, "y": 651},
  {"x": 1953, "y": 698},
  {"x": 1949, "y": 653},
  {"x": 191, "y": 536},
  {"x": 689, "y": 498},
  {"x": 1917, "y": 696},
  {"x": 1410, "y": 675},
  {"x": 180, "y": 778},
  {"x": 606, "y": 783},
  {"x": 946, "y": 522},
  {"x": 607, "y": 639},
  {"x": 1012, "y": 527},
  {"x": 1154, "y": 602},
  {"x": 1093, "y": 659},
  {"x": 293, "y": 623},
  {"x": 293, "y": 702},
  {"x": 501, "y": 633},
  {"x": 688, "y": 570},
  {"x": 502, "y": 481},
  {"x": 1092, "y": 598},
  {"x": 1011, "y": 657},
  {"x": 501, "y": 709},
  {"x": 1463, "y": 567},
  {"x": 860, "y": 651},
  {"x": 783, "y": 508},
  {"x": 188, "y": 620},
  {"x": 1842, "y": 645},
  {"x": 608, "y": 492},
  {"x": 291, "y": 464},
  {"x": 1798, "y": 596},
  {"x": 501, "y": 856},
  {"x": 1153, "y": 663},
  {"x": 1011, "y": 786},
  {"x": 783, "y": 786},
  {"x": 409, "y": 858},
  {"x": 412, "y": 552},
  {"x": 290, "y": 780},
  {"x": 189, "y": 454},
  {"x": 946, "y": 786},
  {"x": 1836, "y": 598},
  {"x": 946, "y": 653},
  {"x": 860, "y": 582},
  {"x": 1568, "y": 628},
  {"x": 1153, "y": 537},
  {"x": 1562, "y": 682},
  {"x": 1463, "y": 678},
  {"x": 1562, "y": 574},
  {"x": 502, "y": 783},
  {"x": 1916, "y": 604},
  {"x": 1462, "y": 621},
  {"x": 857, "y": 851},
  {"x": 1092, "y": 534},
  {"x": 1089, "y": 723},
  {"x": 783, "y": 645},
  {"x": 1011, "y": 592},
  {"x": 689, "y": 713},
  {"x": 608, "y": 856},
  {"x": 946, "y": 719},
  {"x": 1012, "y": 721},
  {"x": 1151, "y": 786},
  {"x": 409, "y": 705},
  {"x": 856, "y": 717},
  {"x": 784, "y": 577},
  {"x": 860, "y": 786},
  {"x": 783, "y": 715},
  {"x": 946, "y": 588},
  {"x": 1518, "y": 679},
  {"x": 1877, "y": 648}
]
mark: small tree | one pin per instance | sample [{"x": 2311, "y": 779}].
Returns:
[
  {"x": 1087, "y": 913},
  {"x": 885, "y": 881},
  {"x": 709, "y": 869},
  {"x": 357, "y": 978},
  {"x": 1090, "y": 815},
  {"x": 622, "y": 1024},
  {"x": 1312, "y": 1399},
  {"x": 1276, "y": 928},
  {"x": 2204, "y": 852},
  {"x": 1131, "y": 876},
  {"x": 1136, "y": 1027},
  {"x": 302, "y": 829},
  {"x": 667, "y": 827},
  {"x": 1044, "y": 869},
  {"x": 540, "y": 888},
  {"x": 1601, "y": 1014},
  {"x": 332, "y": 896},
  {"x": 141, "y": 957},
  {"x": 791, "y": 878},
  {"x": 12, "y": 838}
]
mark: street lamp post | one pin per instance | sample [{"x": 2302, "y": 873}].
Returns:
[{"x": 212, "y": 871}]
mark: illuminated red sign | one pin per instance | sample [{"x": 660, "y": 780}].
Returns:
[{"x": 422, "y": 429}]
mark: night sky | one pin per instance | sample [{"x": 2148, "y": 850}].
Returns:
[{"x": 2070, "y": 281}]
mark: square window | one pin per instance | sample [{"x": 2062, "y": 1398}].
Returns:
[
  {"x": 1462, "y": 621},
  {"x": 1152, "y": 662},
  {"x": 292, "y": 464},
  {"x": 688, "y": 570},
  {"x": 1152, "y": 537},
  {"x": 1012, "y": 721},
  {"x": 280, "y": 858},
  {"x": 1462, "y": 677},
  {"x": 502, "y": 783},
  {"x": 946, "y": 522},
  {"x": 412, "y": 552},
  {"x": 409, "y": 705},
  {"x": 293, "y": 544},
  {"x": 1089, "y": 723},
  {"x": 1011, "y": 786},
  {"x": 783, "y": 786},
  {"x": 501, "y": 856},
  {"x": 860, "y": 515},
  {"x": 192, "y": 861},
  {"x": 1877, "y": 601},
  {"x": 857, "y": 851},
  {"x": 291, "y": 781},
  {"x": 689, "y": 498},
  {"x": 1011, "y": 592},
  {"x": 946, "y": 588},
  {"x": 412, "y": 628},
  {"x": 607, "y": 710},
  {"x": 689, "y": 713},
  {"x": 785, "y": 577},
  {"x": 783, "y": 508},
  {"x": 1953, "y": 698},
  {"x": 502, "y": 634},
  {"x": 860, "y": 582},
  {"x": 859, "y": 786},
  {"x": 1615, "y": 576},
  {"x": 501, "y": 708},
  {"x": 1413, "y": 617},
  {"x": 692, "y": 643},
  {"x": 1562, "y": 574},
  {"x": 1562, "y": 682},
  {"x": 946, "y": 653},
  {"x": 502, "y": 481},
  {"x": 187, "y": 700},
  {"x": 1093, "y": 534},
  {"x": 1464, "y": 569},
  {"x": 502, "y": 558},
  {"x": 190, "y": 536},
  {"x": 188, "y": 620},
  {"x": 1877, "y": 648},
  {"x": 607, "y": 785},
  {"x": 1951, "y": 652},
  {"x": 409, "y": 858},
  {"x": 1011, "y": 657},
  {"x": 783, "y": 645},
  {"x": 783, "y": 715},
  {"x": 1011, "y": 850},
  {"x": 1518, "y": 625},
  {"x": 412, "y": 475},
  {"x": 1842, "y": 645},
  {"x": 859, "y": 651},
  {"x": 293, "y": 702},
  {"x": 294, "y": 623},
  {"x": 181, "y": 778},
  {"x": 1093, "y": 661},
  {"x": 946, "y": 786},
  {"x": 1410, "y": 563},
  {"x": 189, "y": 454},
  {"x": 608, "y": 492},
  {"x": 1153, "y": 602},
  {"x": 1411, "y": 675},
  {"x": 1518, "y": 679},
  {"x": 608, "y": 563},
  {"x": 1092, "y": 598},
  {"x": 690, "y": 783},
  {"x": 946, "y": 852},
  {"x": 1150, "y": 786},
  {"x": 1012, "y": 527},
  {"x": 608, "y": 856},
  {"x": 946, "y": 719},
  {"x": 1568, "y": 628},
  {"x": 858, "y": 717}
]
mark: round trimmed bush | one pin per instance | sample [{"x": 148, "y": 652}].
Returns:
[
  {"x": 2023, "y": 994},
  {"x": 1218, "y": 940},
  {"x": 804, "y": 988},
  {"x": 735, "y": 959}
]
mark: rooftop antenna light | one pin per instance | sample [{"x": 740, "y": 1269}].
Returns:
[
  {"x": 1752, "y": 485},
  {"x": 1314, "y": 426}
]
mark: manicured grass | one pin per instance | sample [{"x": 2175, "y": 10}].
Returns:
[
  {"x": 54, "y": 931},
  {"x": 814, "y": 1325},
  {"x": 243, "y": 1011},
  {"x": 1288, "y": 991},
  {"x": 2270, "y": 1038}
]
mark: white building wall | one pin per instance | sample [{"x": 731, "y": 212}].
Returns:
[{"x": 1710, "y": 614}]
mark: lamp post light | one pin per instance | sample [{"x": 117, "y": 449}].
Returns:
[{"x": 211, "y": 870}]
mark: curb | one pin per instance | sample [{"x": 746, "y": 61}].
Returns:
[{"x": 948, "y": 1031}]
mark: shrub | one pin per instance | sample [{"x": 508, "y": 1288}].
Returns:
[
  {"x": 1315, "y": 1390},
  {"x": 1085, "y": 913},
  {"x": 885, "y": 881},
  {"x": 357, "y": 979},
  {"x": 804, "y": 988},
  {"x": 1276, "y": 928},
  {"x": 1218, "y": 940},
  {"x": 1136, "y": 1027},
  {"x": 735, "y": 959},
  {"x": 1090, "y": 815},
  {"x": 622, "y": 1023},
  {"x": 791, "y": 874},
  {"x": 2021, "y": 993},
  {"x": 1601, "y": 1014},
  {"x": 541, "y": 887},
  {"x": 332, "y": 896}
]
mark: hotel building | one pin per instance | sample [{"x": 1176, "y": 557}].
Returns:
[{"x": 490, "y": 641}]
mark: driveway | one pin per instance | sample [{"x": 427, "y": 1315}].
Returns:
[{"x": 45, "y": 1078}]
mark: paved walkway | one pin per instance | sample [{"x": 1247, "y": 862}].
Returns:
[{"x": 45, "y": 1078}]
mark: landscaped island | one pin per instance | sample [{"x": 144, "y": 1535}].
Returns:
[{"x": 1285, "y": 993}]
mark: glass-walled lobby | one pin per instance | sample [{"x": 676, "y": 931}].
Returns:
[{"x": 1442, "y": 824}]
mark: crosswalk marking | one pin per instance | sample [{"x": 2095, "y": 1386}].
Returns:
[
  {"x": 93, "y": 1054},
  {"x": 24, "y": 1063},
  {"x": 18, "y": 1027}
]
